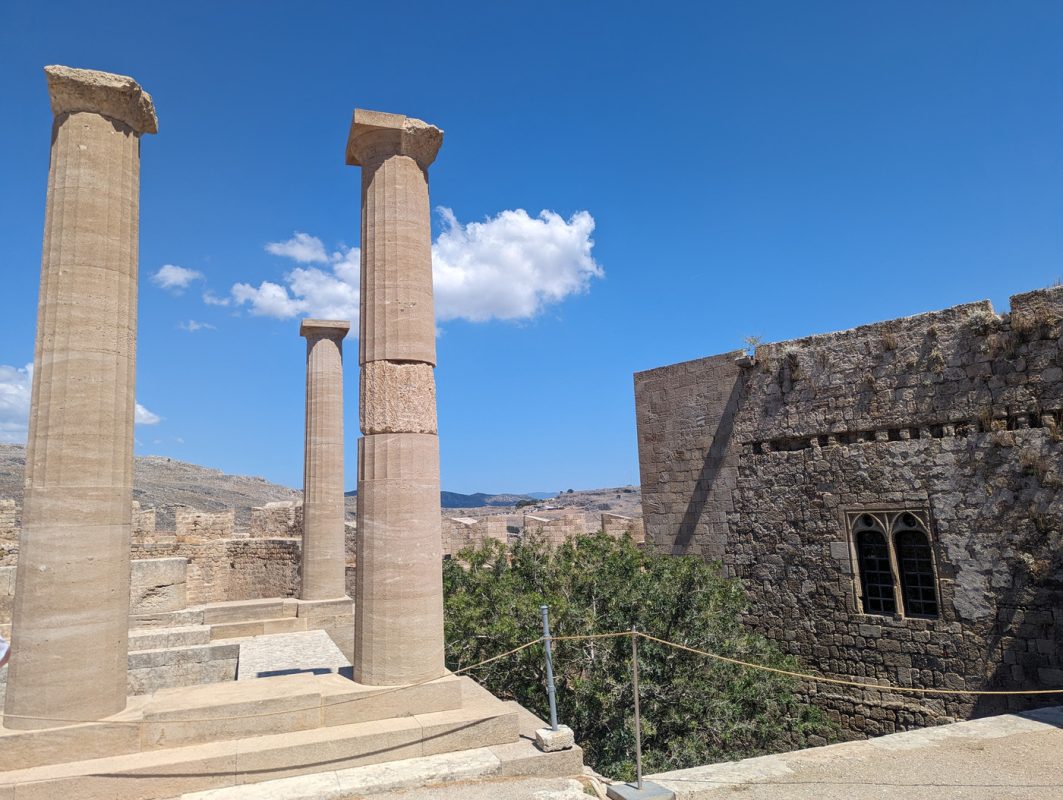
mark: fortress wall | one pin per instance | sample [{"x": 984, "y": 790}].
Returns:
[{"x": 956, "y": 415}]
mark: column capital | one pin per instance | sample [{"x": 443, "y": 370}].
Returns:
[
  {"x": 331, "y": 328},
  {"x": 376, "y": 135},
  {"x": 116, "y": 96}
]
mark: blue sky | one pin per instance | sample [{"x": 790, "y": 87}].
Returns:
[{"x": 772, "y": 169}]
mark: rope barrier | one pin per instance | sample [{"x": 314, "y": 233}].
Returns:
[
  {"x": 842, "y": 682},
  {"x": 570, "y": 637}
]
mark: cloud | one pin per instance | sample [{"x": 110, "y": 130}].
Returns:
[
  {"x": 15, "y": 383},
  {"x": 15, "y": 387},
  {"x": 212, "y": 299},
  {"x": 174, "y": 278},
  {"x": 192, "y": 326},
  {"x": 302, "y": 247},
  {"x": 145, "y": 417},
  {"x": 310, "y": 291},
  {"x": 510, "y": 267}
]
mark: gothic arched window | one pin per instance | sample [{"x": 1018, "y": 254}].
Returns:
[
  {"x": 915, "y": 561},
  {"x": 876, "y": 574}
]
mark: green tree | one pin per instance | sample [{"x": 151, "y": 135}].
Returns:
[{"x": 695, "y": 710}]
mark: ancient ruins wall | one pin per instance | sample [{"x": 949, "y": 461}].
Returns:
[
  {"x": 560, "y": 528},
  {"x": 618, "y": 525},
  {"x": 957, "y": 414},
  {"x": 9, "y": 528},
  {"x": 143, "y": 520},
  {"x": 462, "y": 532},
  {"x": 203, "y": 525},
  {"x": 232, "y": 569},
  {"x": 283, "y": 519}
]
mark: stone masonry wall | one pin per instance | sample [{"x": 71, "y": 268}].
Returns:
[
  {"x": 956, "y": 414},
  {"x": 232, "y": 569},
  {"x": 462, "y": 532},
  {"x": 9, "y": 529},
  {"x": 618, "y": 525},
  {"x": 280, "y": 519},
  {"x": 143, "y": 520},
  {"x": 560, "y": 528},
  {"x": 204, "y": 525}
]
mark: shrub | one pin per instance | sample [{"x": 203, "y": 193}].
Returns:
[{"x": 695, "y": 710}]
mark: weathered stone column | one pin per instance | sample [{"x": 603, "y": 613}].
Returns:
[
  {"x": 70, "y": 621},
  {"x": 399, "y": 586},
  {"x": 324, "y": 561}
]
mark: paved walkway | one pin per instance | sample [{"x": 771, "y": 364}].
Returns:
[
  {"x": 288, "y": 653},
  {"x": 1010, "y": 757},
  {"x": 499, "y": 789}
]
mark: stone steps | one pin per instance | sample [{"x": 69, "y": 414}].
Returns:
[
  {"x": 190, "y": 715},
  {"x": 498, "y": 762},
  {"x": 161, "y": 638},
  {"x": 170, "y": 772},
  {"x": 249, "y": 611},
  {"x": 258, "y": 627}
]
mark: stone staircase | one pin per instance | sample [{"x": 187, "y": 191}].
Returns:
[
  {"x": 206, "y": 737},
  {"x": 196, "y": 645}
]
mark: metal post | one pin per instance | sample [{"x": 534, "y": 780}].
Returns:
[
  {"x": 551, "y": 692},
  {"x": 638, "y": 723}
]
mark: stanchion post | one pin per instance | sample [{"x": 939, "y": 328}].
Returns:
[
  {"x": 638, "y": 719},
  {"x": 551, "y": 691},
  {"x": 641, "y": 790}
]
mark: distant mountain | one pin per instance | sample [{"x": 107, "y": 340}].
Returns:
[{"x": 477, "y": 499}]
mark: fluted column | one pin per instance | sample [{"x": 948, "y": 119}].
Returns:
[
  {"x": 399, "y": 584},
  {"x": 324, "y": 561},
  {"x": 70, "y": 623}
]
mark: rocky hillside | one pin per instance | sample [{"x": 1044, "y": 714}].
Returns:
[{"x": 162, "y": 483}]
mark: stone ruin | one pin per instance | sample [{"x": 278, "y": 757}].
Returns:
[
  {"x": 73, "y": 724},
  {"x": 890, "y": 497}
]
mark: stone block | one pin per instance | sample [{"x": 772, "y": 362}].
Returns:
[
  {"x": 158, "y": 585},
  {"x": 549, "y": 741},
  {"x": 398, "y": 397}
]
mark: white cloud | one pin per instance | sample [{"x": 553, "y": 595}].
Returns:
[
  {"x": 175, "y": 278},
  {"x": 15, "y": 387},
  {"x": 302, "y": 247},
  {"x": 145, "y": 417},
  {"x": 212, "y": 299},
  {"x": 310, "y": 291},
  {"x": 192, "y": 326},
  {"x": 15, "y": 384},
  {"x": 510, "y": 266}
]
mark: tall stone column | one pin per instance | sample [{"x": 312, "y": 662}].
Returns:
[
  {"x": 324, "y": 557},
  {"x": 71, "y": 608},
  {"x": 399, "y": 586}
]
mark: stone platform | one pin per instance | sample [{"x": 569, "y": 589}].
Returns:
[{"x": 197, "y": 738}]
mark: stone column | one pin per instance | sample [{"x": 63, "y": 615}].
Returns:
[
  {"x": 399, "y": 586},
  {"x": 70, "y": 622},
  {"x": 324, "y": 557}
]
